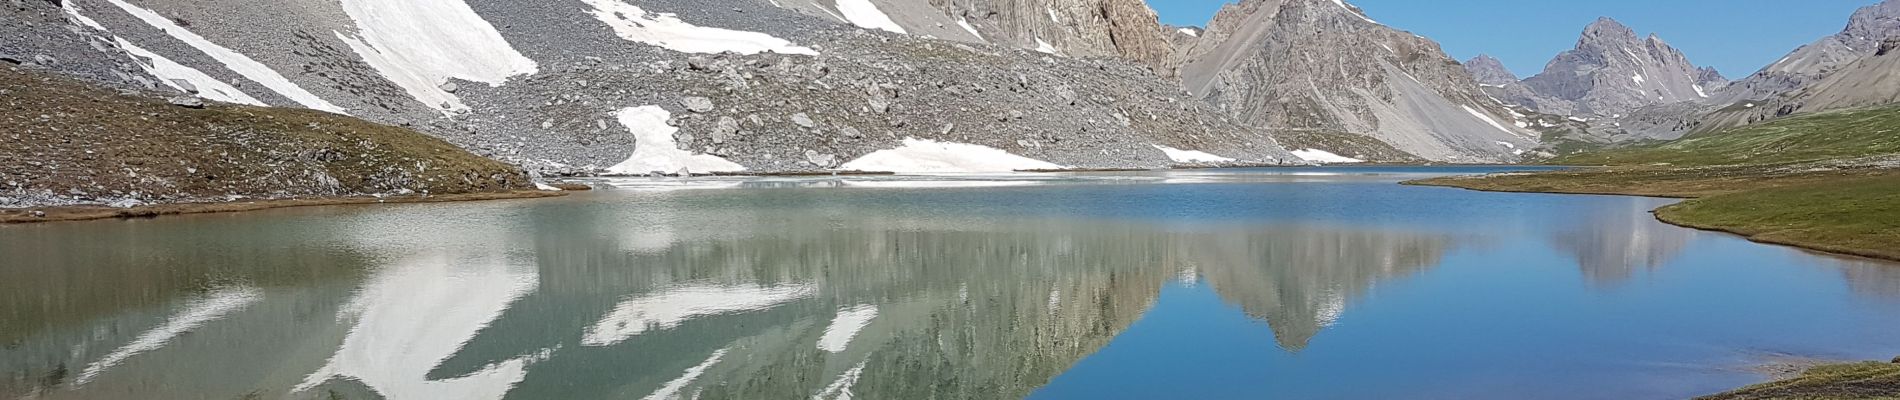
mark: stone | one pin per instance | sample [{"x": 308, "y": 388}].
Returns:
[
  {"x": 697, "y": 104},
  {"x": 187, "y": 102},
  {"x": 45, "y": 60},
  {"x": 450, "y": 87},
  {"x": 947, "y": 128},
  {"x": 820, "y": 160},
  {"x": 850, "y": 132},
  {"x": 186, "y": 85},
  {"x": 804, "y": 121},
  {"x": 724, "y": 130}
]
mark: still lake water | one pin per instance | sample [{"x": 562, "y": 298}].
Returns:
[{"x": 1278, "y": 283}]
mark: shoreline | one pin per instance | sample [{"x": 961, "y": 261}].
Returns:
[
  {"x": 25, "y": 216},
  {"x": 1660, "y": 215}
]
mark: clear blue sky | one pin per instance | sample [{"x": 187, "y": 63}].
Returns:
[{"x": 1737, "y": 37}]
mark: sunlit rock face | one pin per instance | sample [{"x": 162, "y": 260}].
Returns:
[{"x": 1324, "y": 65}]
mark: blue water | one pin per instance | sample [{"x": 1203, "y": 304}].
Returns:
[{"x": 1298, "y": 283}]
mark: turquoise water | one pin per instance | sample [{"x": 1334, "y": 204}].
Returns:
[{"x": 1267, "y": 283}]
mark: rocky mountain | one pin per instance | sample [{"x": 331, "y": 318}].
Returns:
[
  {"x": 1322, "y": 65},
  {"x": 641, "y": 86},
  {"x": 1865, "y": 30},
  {"x": 1847, "y": 69},
  {"x": 1613, "y": 71},
  {"x": 1489, "y": 71},
  {"x": 1125, "y": 29}
]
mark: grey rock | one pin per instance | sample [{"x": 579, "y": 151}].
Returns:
[
  {"x": 1489, "y": 71},
  {"x": 820, "y": 160},
  {"x": 39, "y": 214},
  {"x": 850, "y": 132},
  {"x": 804, "y": 121},
  {"x": 697, "y": 104},
  {"x": 186, "y": 85},
  {"x": 45, "y": 60},
  {"x": 1612, "y": 71},
  {"x": 450, "y": 87},
  {"x": 726, "y": 129},
  {"x": 187, "y": 102}
]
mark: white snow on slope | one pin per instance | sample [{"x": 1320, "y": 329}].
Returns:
[
  {"x": 929, "y": 156},
  {"x": 966, "y": 26},
  {"x": 420, "y": 44},
  {"x": 1699, "y": 92},
  {"x": 673, "y": 387},
  {"x": 237, "y": 62},
  {"x": 654, "y": 149},
  {"x": 1190, "y": 156},
  {"x": 168, "y": 71},
  {"x": 846, "y": 326},
  {"x": 1323, "y": 156},
  {"x": 1487, "y": 119},
  {"x": 414, "y": 315},
  {"x": 674, "y": 306},
  {"x": 668, "y": 31},
  {"x": 196, "y": 313},
  {"x": 1192, "y": 32},
  {"x": 866, "y": 15},
  {"x": 1342, "y": 4},
  {"x": 1045, "y": 47},
  {"x": 1638, "y": 78},
  {"x": 171, "y": 72}
]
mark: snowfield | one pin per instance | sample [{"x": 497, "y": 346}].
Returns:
[
  {"x": 237, "y": 62},
  {"x": 929, "y": 156},
  {"x": 420, "y": 44},
  {"x": 655, "y": 151},
  {"x": 866, "y": 15},
  {"x": 1190, "y": 156},
  {"x": 668, "y": 31},
  {"x": 1325, "y": 157},
  {"x": 171, "y": 72},
  {"x": 1487, "y": 119}
]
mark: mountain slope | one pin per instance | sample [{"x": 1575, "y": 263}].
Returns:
[
  {"x": 579, "y": 87},
  {"x": 1612, "y": 71},
  {"x": 1324, "y": 65},
  {"x": 1126, "y": 29}
]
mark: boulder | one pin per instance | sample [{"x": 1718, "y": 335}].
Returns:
[{"x": 697, "y": 104}]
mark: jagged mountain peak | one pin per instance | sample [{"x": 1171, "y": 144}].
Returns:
[
  {"x": 1489, "y": 71},
  {"x": 1608, "y": 28}
]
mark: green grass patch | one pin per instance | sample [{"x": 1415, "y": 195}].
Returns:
[
  {"x": 1858, "y": 216},
  {"x": 1838, "y": 135}
]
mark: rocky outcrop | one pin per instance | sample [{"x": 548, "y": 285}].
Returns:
[
  {"x": 1324, "y": 65},
  {"x": 1613, "y": 71},
  {"x": 72, "y": 143},
  {"x": 1125, "y": 29},
  {"x": 1489, "y": 71}
]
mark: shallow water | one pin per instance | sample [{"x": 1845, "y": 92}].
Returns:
[{"x": 1270, "y": 283}]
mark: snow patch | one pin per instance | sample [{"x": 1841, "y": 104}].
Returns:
[
  {"x": 1045, "y": 47},
  {"x": 420, "y": 44},
  {"x": 846, "y": 326},
  {"x": 654, "y": 149},
  {"x": 1699, "y": 92},
  {"x": 171, "y": 72},
  {"x": 1325, "y": 157},
  {"x": 237, "y": 62},
  {"x": 675, "y": 306},
  {"x": 1342, "y": 4},
  {"x": 1052, "y": 14},
  {"x": 668, "y": 31},
  {"x": 1487, "y": 119},
  {"x": 929, "y": 156},
  {"x": 1190, "y": 156},
  {"x": 840, "y": 388},
  {"x": 1638, "y": 78},
  {"x": 1192, "y": 32},
  {"x": 966, "y": 26},
  {"x": 1507, "y": 145},
  {"x": 866, "y": 15}
]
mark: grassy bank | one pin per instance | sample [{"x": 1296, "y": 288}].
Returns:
[
  {"x": 85, "y": 213},
  {"x": 1869, "y": 380}
]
